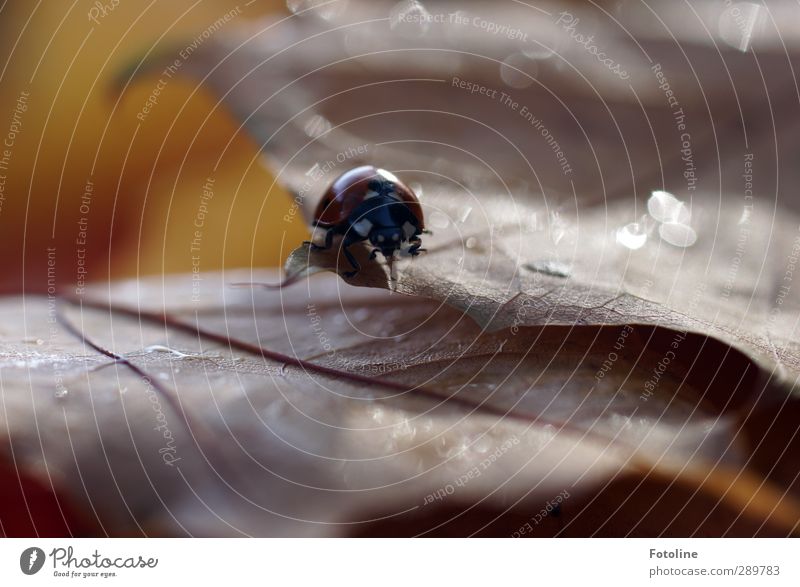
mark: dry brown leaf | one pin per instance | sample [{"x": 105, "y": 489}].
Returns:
[{"x": 416, "y": 398}]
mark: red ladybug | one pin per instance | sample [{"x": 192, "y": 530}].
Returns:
[{"x": 369, "y": 203}]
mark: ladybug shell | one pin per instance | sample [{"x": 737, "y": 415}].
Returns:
[{"x": 350, "y": 189}]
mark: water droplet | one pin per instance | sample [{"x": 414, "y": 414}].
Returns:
[
  {"x": 482, "y": 445},
  {"x": 471, "y": 242},
  {"x": 325, "y": 9},
  {"x": 62, "y": 393},
  {"x": 439, "y": 220},
  {"x": 416, "y": 187},
  {"x": 163, "y": 376},
  {"x": 550, "y": 267},
  {"x": 537, "y": 52},
  {"x": 316, "y": 126},
  {"x": 458, "y": 26},
  {"x": 441, "y": 447},
  {"x": 410, "y": 19},
  {"x": 632, "y": 236},
  {"x": 665, "y": 207},
  {"x": 745, "y": 218},
  {"x": 33, "y": 340},
  {"x": 517, "y": 71},
  {"x": 558, "y": 227},
  {"x": 404, "y": 431},
  {"x": 739, "y": 23},
  {"x": 677, "y": 234},
  {"x": 160, "y": 348},
  {"x": 276, "y": 411}
]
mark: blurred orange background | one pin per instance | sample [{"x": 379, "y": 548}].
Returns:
[{"x": 147, "y": 176}]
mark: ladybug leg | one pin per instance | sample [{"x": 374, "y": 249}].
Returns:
[
  {"x": 328, "y": 242},
  {"x": 426, "y": 231},
  {"x": 373, "y": 254},
  {"x": 352, "y": 260},
  {"x": 415, "y": 249}
]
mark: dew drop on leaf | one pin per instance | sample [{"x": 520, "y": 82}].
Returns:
[
  {"x": 632, "y": 236},
  {"x": 517, "y": 71},
  {"x": 409, "y": 18},
  {"x": 678, "y": 234},
  {"x": 324, "y": 9},
  {"x": 550, "y": 267},
  {"x": 439, "y": 220},
  {"x": 316, "y": 126},
  {"x": 664, "y": 207},
  {"x": 739, "y": 22}
]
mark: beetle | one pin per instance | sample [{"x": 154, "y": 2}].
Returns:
[{"x": 370, "y": 204}]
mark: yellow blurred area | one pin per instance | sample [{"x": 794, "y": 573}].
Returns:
[{"x": 72, "y": 132}]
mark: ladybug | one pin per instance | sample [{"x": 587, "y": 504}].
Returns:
[{"x": 370, "y": 204}]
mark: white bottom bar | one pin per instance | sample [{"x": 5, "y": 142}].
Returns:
[{"x": 402, "y": 562}]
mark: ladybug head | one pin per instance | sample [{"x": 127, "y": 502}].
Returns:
[
  {"x": 380, "y": 186},
  {"x": 388, "y": 239}
]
